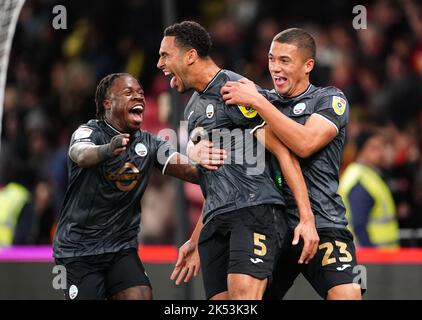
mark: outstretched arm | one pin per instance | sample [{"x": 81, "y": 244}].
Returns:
[
  {"x": 88, "y": 154},
  {"x": 292, "y": 173},
  {"x": 179, "y": 167}
]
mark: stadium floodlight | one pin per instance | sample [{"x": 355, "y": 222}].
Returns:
[{"x": 9, "y": 13}]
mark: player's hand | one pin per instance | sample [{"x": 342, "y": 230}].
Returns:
[
  {"x": 242, "y": 92},
  {"x": 118, "y": 143},
  {"x": 204, "y": 154},
  {"x": 187, "y": 264},
  {"x": 306, "y": 229}
]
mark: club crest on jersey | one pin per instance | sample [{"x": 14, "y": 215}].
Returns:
[
  {"x": 141, "y": 150},
  {"x": 299, "y": 108},
  {"x": 73, "y": 292},
  {"x": 339, "y": 105},
  {"x": 210, "y": 111},
  {"x": 248, "y": 112}
]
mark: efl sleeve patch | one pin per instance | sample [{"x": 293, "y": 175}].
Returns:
[
  {"x": 248, "y": 112},
  {"x": 339, "y": 105},
  {"x": 82, "y": 133}
]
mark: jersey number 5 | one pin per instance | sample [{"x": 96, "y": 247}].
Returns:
[
  {"x": 347, "y": 257},
  {"x": 257, "y": 241}
]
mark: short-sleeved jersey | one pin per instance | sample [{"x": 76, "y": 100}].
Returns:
[
  {"x": 320, "y": 170},
  {"x": 101, "y": 211},
  {"x": 245, "y": 179}
]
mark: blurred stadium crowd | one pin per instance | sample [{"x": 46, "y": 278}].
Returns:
[{"x": 53, "y": 73}]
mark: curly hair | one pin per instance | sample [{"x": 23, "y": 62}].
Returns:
[
  {"x": 101, "y": 92},
  {"x": 190, "y": 34}
]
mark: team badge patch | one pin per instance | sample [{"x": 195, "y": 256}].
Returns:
[
  {"x": 141, "y": 150},
  {"x": 248, "y": 112},
  {"x": 82, "y": 133},
  {"x": 339, "y": 105},
  {"x": 210, "y": 111},
  {"x": 299, "y": 108},
  {"x": 73, "y": 292}
]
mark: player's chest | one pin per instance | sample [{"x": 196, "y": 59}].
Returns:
[
  {"x": 207, "y": 112},
  {"x": 138, "y": 158},
  {"x": 125, "y": 171},
  {"x": 298, "y": 110}
]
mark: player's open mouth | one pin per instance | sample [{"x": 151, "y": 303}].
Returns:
[
  {"x": 279, "y": 81},
  {"x": 173, "y": 79},
  {"x": 137, "y": 109},
  {"x": 136, "y": 113}
]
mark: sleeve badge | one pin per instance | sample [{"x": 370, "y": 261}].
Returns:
[
  {"x": 339, "y": 105},
  {"x": 82, "y": 133}
]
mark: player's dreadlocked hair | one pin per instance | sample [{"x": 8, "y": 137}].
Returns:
[
  {"x": 101, "y": 92},
  {"x": 300, "y": 38},
  {"x": 190, "y": 34}
]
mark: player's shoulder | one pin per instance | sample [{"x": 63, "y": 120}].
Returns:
[
  {"x": 228, "y": 75},
  {"x": 321, "y": 92},
  {"x": 86, "y": 130},
  {"x": 192, "y": 103},
  {"x": 219, "y": 80},
  {"x": 270, "y": 95},
  {"x": 92, "y": 124},
  {"x": 195, "y": 96},
  {"x": 331, "y": 98}
]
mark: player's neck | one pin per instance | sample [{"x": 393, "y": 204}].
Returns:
[
  {"x": 205, "y": 73},
  {"x": 115, "y": 126}
]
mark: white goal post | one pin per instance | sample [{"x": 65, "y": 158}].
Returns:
[{"x": 9, "y": 13}]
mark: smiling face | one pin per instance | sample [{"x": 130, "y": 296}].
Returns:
[
  {"x": 125, "y": 104},
  {"x": 289, "y": 68},
  {"x": 173, "y": 63}
]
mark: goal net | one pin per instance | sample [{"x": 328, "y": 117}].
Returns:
[{"x": 9, "y": 13}]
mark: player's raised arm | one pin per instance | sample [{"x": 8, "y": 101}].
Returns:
[
  {"x": 87, "y": 154},
  {"x": 292, "y": 172},
  {"x": 303, "y": 140}
]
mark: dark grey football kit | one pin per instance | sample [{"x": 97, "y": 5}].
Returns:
[
  {"x": 243, "y": 214},
  {"x": 97, "y": 233},
  {"x": 335, "y": 260}
]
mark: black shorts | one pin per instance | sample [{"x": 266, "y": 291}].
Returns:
[
  {"x": 334, "y": 264},
  {"x": 101, "y": 276},
  {"x": 244, "y": 241}
]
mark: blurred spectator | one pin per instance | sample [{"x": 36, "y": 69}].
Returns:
[
  {"x": 368, "y": 199},
  {"x": 17, "y": 213}
]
